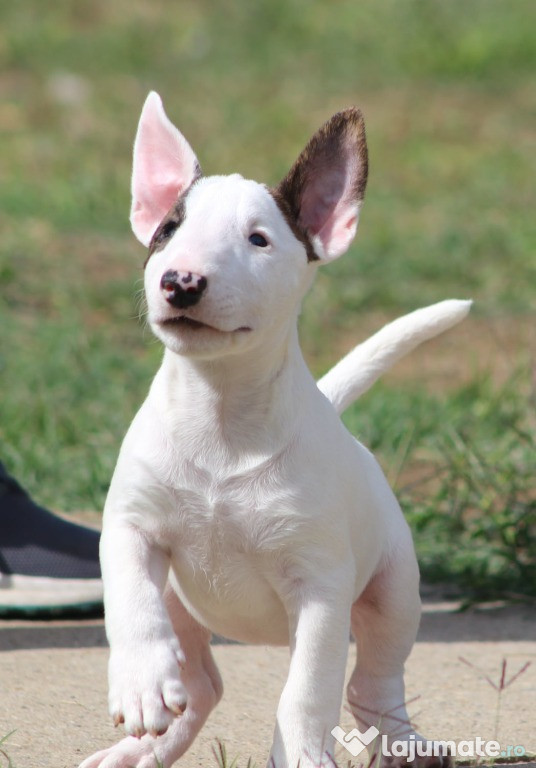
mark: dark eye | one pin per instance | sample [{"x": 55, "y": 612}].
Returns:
[
  {"x": 258, "y": 240},
  {"x": 166, "y": 231}
]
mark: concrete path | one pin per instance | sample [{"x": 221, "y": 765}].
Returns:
[{"x": 53, "y": 688}]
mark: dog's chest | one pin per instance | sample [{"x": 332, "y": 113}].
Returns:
[
  {"x": 225, "y": 555},
  {"x": 218, "y": 519},
  {"x": 213, "y": 526},
  {"x": 228, "y": 535}
]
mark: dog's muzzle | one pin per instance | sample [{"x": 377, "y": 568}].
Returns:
[{"x": 182, "y": 289}]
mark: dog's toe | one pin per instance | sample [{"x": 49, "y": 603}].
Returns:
[
  {"x": 174, "y": 696},
  {"x": 157, "y": 716}
]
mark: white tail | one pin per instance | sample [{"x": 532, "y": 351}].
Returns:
[{"x": 361, "y": 367}]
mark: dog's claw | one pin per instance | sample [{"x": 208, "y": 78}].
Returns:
[{"x": 118, "y": 720}]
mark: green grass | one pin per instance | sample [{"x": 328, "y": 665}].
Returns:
[
  {"x": 222, "y": 761},
  {"x": 447, "y": 92},
  {"x": 3, "y": 754},
  {"x": 463, "y": 469}
]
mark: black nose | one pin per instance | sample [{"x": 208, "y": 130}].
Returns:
[{"x": 182, "y": 289}]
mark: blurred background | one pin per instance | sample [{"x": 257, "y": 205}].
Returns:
[{"x": 448, "y": 91}]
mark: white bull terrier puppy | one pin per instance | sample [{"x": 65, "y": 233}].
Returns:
[{"x": 240, "y": 503}]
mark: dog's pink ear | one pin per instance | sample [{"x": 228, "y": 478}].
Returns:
[
  {"x": 164, "y": 167},
  {"x": 324, "y": 189}
]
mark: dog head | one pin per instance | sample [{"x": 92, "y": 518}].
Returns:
[{"x": 229, "y": 259}]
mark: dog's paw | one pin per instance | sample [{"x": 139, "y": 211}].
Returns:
[
  {"x": 417, "y": 753},
  {"x": 128, "y": 753},
  {"x": 146, "y": 692},
  {"x": 432, "y": 761}
]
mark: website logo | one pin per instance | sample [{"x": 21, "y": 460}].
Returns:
[{"x": 355, "y": 741}]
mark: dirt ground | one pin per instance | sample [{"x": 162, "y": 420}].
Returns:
[{"x": 53, "y": 687}]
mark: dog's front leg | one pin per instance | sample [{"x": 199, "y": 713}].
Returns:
[
  {"x": 311, "y": 700},
  {"x": 145, "y": 690}
]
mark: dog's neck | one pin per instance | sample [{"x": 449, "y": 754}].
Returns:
[{"x": 242, "y": 407}]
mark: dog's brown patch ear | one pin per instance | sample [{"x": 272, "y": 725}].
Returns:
[
  {"x": 164, "y": 167},
  {"x": 324, "y": 189}
]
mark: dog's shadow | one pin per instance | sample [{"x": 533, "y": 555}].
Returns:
[
  {"x": 442, "y": 621},
  {"x": 446, "y": 622}
]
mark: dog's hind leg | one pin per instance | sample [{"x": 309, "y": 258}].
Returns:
[
  {"x": 202, "y": 680},
  {"x": 384, "y": 622}
]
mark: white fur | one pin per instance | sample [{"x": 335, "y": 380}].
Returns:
[
  {"x": 238, "y": 485},
  {"x": 361, "y": 367}
]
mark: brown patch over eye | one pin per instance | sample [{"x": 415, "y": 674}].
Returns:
[
  {"x": 170, "y": 223},
  {"x": 291, "y": 219},
  {"x": 167, "y": 227}
]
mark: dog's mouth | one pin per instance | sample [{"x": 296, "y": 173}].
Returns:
[
  {"x": 183, "y": 321},
  {"x": 187, "y": 322}
]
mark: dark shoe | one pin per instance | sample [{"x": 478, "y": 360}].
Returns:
[{"x": 48, "y": 565}]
